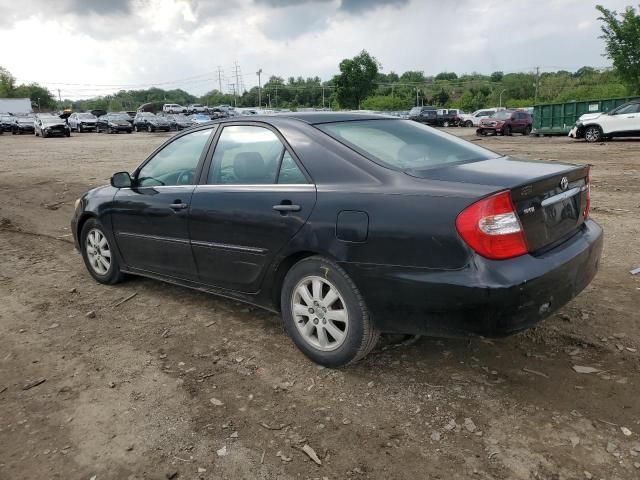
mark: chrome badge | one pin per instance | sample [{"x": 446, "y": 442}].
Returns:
[{"x": 564, "y": 183}]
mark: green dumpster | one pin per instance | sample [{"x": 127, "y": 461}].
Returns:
[{"x": 559, "y": 118}]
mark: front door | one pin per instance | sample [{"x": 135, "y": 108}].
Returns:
[
  {"x": 253, "y": 200},
  {"x": 625, "y": 119},
  {"x": 151, "y": 219}
]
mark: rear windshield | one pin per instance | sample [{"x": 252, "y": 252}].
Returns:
[{"x": 403, "y": 144}]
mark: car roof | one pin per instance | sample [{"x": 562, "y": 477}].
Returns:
[{"x": 314, "y": 118}]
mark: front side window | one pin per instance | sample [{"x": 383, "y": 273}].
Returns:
[
  {"x": 626, "y": 109},
  {"x": 246, "y": 155},
  {"x": 176, "y": 163},
  {"x": 404, "y": 145}
]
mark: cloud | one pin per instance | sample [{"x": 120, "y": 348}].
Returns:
[
  {"x": 98, "y": 7},
  {"x": 359, "y": 6}
]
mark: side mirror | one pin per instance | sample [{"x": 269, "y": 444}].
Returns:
[{"x": 121, "y": 180}]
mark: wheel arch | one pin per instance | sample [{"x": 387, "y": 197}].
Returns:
[
  {"x": 283, "y": 268},
  {"x": 81, "y": 221}
]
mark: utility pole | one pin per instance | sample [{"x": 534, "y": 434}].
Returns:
[
  {"x": 276, "y": 95},
  {"x": 269, "y": 97},
  {"x": 535, "y": 99},
  {"x": 237, "y": 75},
  {"x": 259, "y": 72},
  {"x": 60, "y": 99},
  {"x": 323, "y": 97},
  {"x": 417, "y": 103},
  {"x": 220, "y": 78}
]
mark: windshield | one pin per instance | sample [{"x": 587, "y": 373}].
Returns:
[
  {"x": 404, "y": 145},
  {"x": 502, "y": 115},
  {"x": 25, "y": 120},
  {"x": 119, "y": 116},
  {"x": 86, "y": 115},
  {"x": 51, "y": 120}
]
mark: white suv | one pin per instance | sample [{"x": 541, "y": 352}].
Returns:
[
  {"x": 623, "y": 121},
  {"x": 173, "y": 108},
  {"x": 473, "y": 119}
]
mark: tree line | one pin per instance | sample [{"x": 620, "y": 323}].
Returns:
[{"x": 362, "y": 84}]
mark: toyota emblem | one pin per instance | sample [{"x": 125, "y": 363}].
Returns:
[{"x": 564, "y": 183}]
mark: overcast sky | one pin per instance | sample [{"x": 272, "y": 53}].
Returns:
[{"x": 92, "y": 47}]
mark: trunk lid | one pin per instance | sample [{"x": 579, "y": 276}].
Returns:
[{"x": 549, "y": 198}]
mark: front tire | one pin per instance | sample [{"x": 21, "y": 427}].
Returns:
[
  {"x": 507, "y": 131},
  {"x": 149, "y": 128},
  {"x": 468, "y": 124},
  {"x": 98, "y": 254},
  {"x": 593, "y": 134},
  {"x": 325, "y": 314}
]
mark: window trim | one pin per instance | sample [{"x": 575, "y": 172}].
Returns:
[
  {"x": 203, "y": 155},
  {"x": 204, "y": 172}
]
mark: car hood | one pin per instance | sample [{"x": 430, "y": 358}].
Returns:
[
  {"x": 120, "y": 122},
  {"x": 61, "y": 123},
  {"x": 590, "y": 116},
  {"x": 501, "y": 172}
]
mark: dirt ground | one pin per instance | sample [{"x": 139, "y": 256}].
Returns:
[{"x": 127, "y": 390}]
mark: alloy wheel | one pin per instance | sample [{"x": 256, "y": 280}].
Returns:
[
  {"x": 98, "y": 251},
  {"x": 319, "y": 313}
]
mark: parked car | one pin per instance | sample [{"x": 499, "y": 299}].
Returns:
[
  {"x": 197, "y": 108},
  {"x": 623, "y": 121},
  {"x": 23, "y": 125},
  {"x": 6, "y": 122},
  {"x": 178, "y": 122},
  {"x": 506, "y": 122},
  {"x": 150, "y": 122},
  {"x": 82, "y": 122},
  {"x": 130, "y": 116},
  {"x": 98, "y": 112},
  {"x": 473, "y": 119},
  {"x": 173, "y": 108},
  {"x": 114, "y": 123},
  {"x": 199, "y": 118},
  {"x": 426, "y": 115},
  {"x": 447, "y": 117},
  {"x": 51, "y": 125},
  {"x": 336, "y": 221}
]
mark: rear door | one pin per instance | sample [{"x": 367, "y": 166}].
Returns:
[
  {"x": 254, "y": 198},
  {"x": 624, "y": 120}
]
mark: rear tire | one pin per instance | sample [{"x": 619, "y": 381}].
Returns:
[
  {"x": 593, "y": 134},
  {"x": 527, "y": 131},
  {"x": 468, "y": 124},
  {"x": 325, "y": 314},
  {"x": 98, "y": 254},
  {"x": 507, "y": 131}
]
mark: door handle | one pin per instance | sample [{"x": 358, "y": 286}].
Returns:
[
  {"x": 178, "y": 205},
  {"x": 284, "y": 208}
]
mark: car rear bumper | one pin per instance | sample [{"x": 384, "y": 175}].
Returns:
[{"x": 488, "y": 297}]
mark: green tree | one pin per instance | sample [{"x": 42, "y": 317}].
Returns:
[
  {"x": 356, "y": 80},
  {"x": 446, "y": 76},
  {"x": 7, "y": 83},
  {"x": 621, "y": 33},
  {"x": 496, "y": 77}
]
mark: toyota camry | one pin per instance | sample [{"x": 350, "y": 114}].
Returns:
[{"x": 349, "y": 225}]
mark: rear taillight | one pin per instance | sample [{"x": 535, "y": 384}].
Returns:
[
  {"x": 491, "y": 227},
  {"x": 587, "y": 207}
]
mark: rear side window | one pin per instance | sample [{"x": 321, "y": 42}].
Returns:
[
  {"x": 404, "y": 145},
  {"x": 290, "y": 173}
]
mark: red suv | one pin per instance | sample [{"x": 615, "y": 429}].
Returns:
[{"x": 506, "y": 122}]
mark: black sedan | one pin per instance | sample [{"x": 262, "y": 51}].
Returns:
[
  {"x": 178, "y": 122},
  {"x": 51, "y": 126},
  {"x": 114, "y": 123},
  {"x": 349, "y": 225},
  {"x": 6, "y": 122},
  {"x": 150, "y": 122},
  {"x": 23, "y": 125}
]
